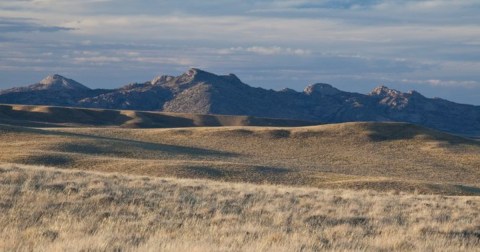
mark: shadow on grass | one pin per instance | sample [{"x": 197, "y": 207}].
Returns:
[
  {"x": 111, "y": 146},
  {"x": 466, "y": 236},
  {"x": 205, "y": 172},
  {"x": 270, "y": 170},
  {"x": 99, "y": 145},
  {"x": 46, "y": 160},
  {"x": 468, "y": 189},
  {"x": 379, "y": 132},
  {"x": 242, "y": 173},
  {"x": 135, "y": 149}
]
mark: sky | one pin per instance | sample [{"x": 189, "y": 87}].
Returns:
[{"x": 429, "y": 46}]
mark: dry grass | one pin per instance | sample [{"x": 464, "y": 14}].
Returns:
[
  {"x": 383, "y": 156},
  {"x": 44, "y": 209},
  {"x": 52, "y": 116}
]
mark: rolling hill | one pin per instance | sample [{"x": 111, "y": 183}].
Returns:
[
  {"x": 50, "y": 116},
  {"x": 382, "y": 156}
]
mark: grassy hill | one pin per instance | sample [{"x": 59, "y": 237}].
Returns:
[
  {"x": 59, "y": 210},
  {"x": 51, "y": 116},
  {"x": 382, "y": 156}
]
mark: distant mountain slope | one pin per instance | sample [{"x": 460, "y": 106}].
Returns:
[
  {"x": 197, "y": 91},
  {"x": 53, "y": 90}
]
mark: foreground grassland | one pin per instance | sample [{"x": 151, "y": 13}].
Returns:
[
  {"x": 381, "y": 156},
  {"x": 45, "y": 209}
]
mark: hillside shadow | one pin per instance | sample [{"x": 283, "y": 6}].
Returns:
[
  {"x": 155, "y": 120},
  {"x": 24, "y": 123},
  {"x": 112, "y": 144},
  {"x": 469, "y": 189},
  {"x": 207, "y": 120},
  {"x": 64, "y": 115},
  {"x": 46, "y": 159},
  {"x": 55, "y": 116},
  {"x": 380, "y": 132},
  {"x": 89, "y": 149},
  {"x": 253, "y": 174},
  {"x": 270, "y": 170},
  {"x": 205, "y": 172}
]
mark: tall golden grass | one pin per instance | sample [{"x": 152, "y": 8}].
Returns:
[{"x": 46, "y": 209}]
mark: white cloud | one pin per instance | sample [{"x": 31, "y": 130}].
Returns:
[
  {"x": 96, "y": 60},
  {"x": 444, "y": 83},
  {"x": 179, "y": 61},
  {"x": 264, "y": 50},
  {"x": 426, "y": 5}
]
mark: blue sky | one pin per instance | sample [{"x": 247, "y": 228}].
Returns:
[{"x": 429, "y": 46}]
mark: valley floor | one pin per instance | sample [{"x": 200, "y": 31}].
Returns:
[{"x": 47, "y": 209}]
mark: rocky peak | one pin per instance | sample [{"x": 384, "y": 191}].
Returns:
[
  {"x": 161, "y": 79},
  {"x": 51, "y": 79},
  {"x": 199, "y": 75},
  {"x": 392, "y": 98},
  {"x": 384, "y": 91},
  {"x": 58, "y": 82},
  {"x": 195, "y": 75},
  {"x": 321, "y": 88}
]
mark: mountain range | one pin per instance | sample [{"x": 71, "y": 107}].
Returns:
[{"x": 201, "y": 92}]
